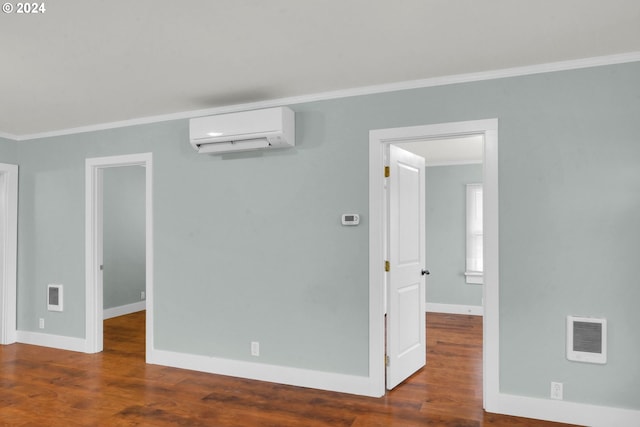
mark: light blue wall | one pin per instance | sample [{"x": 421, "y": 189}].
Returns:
[
  {"x": 8, "y": 151},
  {"x": 446, "y": 234},
  {"x": 249, "y": 247},
  {"x": 51, "y": 238},
  {"x": 124, "y": 235}
]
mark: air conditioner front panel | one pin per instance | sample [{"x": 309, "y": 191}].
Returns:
[
  {"x": 235, "y": 137},
  {"x": 236, "y": 124},
  {"x": 226, "y": 147}
]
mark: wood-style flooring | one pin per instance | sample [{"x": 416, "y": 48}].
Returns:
[{"x": 47, "y": 387}]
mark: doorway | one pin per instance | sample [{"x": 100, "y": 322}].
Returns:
[
  {"x": 379, "y": 141},
  {"x": 94, "y": 174},
  {"x": 123, "y": 241},
  {"x": 453, "y": 223},
  {"x": 8, "y": 251}
]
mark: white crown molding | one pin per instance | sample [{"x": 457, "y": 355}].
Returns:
[
  {"x": 9, "y": 136},
  {"x": 365, "y": 90}
]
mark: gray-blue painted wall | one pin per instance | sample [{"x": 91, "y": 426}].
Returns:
[
  {"x": 8, "y": 151},
  {"x": 123, "y": 235},
  {"x": 446, "y": 234},
  {"x": 250, "y": 247}
]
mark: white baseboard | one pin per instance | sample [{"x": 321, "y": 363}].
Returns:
[
  {"x": 108, "y": 313},
  {"x": 341, "y": 383},
  {"x": 53, "y": 341},
  {"x": 474, "y": 310},
  {"x": 563, "y": 411}
]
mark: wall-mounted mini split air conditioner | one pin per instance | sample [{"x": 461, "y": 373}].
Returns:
[{"x": 243, "y": 131}]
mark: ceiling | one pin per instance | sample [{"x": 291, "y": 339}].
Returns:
[
  {"x": 90, "y": 62},
  {"x": 464, "y": 150}
]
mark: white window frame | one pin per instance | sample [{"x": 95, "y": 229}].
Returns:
[{"x": 474, "y": 269}]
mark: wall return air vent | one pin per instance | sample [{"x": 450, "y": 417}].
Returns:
[
  {"x": 54, "y": 297},
  {"x": 586, "y": 339}
]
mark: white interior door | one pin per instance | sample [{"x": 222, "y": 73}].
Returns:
[{"x": 406, "y": 346}]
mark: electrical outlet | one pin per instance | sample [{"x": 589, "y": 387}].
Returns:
[
  {"x": 143, "y": 295},
  {"x": 255, "y": 348},
  {"x": 41, "y": 323},
  {"x": 556, "y": 391}
]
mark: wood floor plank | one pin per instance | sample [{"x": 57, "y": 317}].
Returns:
[{"x": 48, "y": 387}]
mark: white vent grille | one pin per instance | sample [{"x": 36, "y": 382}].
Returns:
[
  {"x": 586, "y": 339},
  {"x": 54, "y": 297}
]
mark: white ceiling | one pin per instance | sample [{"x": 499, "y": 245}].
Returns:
[
  {"x": 89, "y": 62},
  {"x": 463, "y": 150}
]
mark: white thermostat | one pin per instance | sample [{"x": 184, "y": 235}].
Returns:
[{"x": 350, "y": 219}]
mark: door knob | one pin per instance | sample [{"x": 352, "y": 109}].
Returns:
[{"x": 425, "y": 272}]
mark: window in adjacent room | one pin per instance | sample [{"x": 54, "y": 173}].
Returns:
[{"x": 474, "y": 267}]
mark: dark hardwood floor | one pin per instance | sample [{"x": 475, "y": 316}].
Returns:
[{"x": 47, "y": 387}]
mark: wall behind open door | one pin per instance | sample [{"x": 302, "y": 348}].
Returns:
[{"x": 124, "y": 235}]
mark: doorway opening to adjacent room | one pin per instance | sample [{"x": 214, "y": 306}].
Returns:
[
  {"x": 123, "y": 253},
  {"x": 384, "y": 240},
  {"x": 95, "y": 240}
]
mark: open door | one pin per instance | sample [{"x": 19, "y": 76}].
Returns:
[{"x": 406, "y": 346}]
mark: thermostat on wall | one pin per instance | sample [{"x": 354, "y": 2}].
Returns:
[{"x": 350, "y": 219}]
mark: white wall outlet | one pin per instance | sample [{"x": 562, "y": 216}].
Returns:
[
  {"x": 143, "y": 295},
  {"x": 556, "y": 391},
  {"x": 255, "y": 348},
  {"x": 41, "y": 323}
]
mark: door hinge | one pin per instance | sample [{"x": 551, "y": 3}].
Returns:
[
  {"x": 386, "y": 360},
  {"x": 387, "y": 266},
  {"x": 387, "y": 172}
]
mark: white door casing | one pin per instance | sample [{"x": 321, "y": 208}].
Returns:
[
  {"x": 93, "y": 245},
  {"x": 406, "y": 346},
  {"x": 379, "y": 139},
  {"x": 8, "y": 251}
]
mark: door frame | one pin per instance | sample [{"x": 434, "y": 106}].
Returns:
[
  {"x": 8, "y": 260},
  {"x": 378, "y": 141},
  {"x": 93, "y": 244}
]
